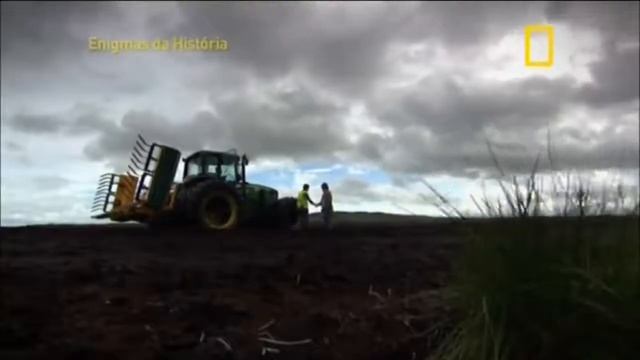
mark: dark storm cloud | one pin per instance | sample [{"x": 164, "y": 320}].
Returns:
[
  {"x": 616, "y": 77},
  {"x": 39, "y": 33},
  {"x": 295, "y": 122},
  {"x": 471, "y": 157},
  {"x": 331, "y": 51},
  {"x": 37, "y": 124},
  {"x": 441, "y": 105},
  {"x": 442, "y": 126},
  {"x": 80, "y": 120},
  {"x": 341, "y": 45},
  {"x": 45, "y": 50},
  {"x": 290, "y": 122},
  {"x": 616, "y": 74},
  {"x": 614, "y": 20}
]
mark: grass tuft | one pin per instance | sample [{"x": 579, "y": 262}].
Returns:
[{"x": 554, "y": 274}]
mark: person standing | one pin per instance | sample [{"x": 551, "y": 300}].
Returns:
[
  {"x": 303, "y": 206},
  {"x": 327, "y": 205}
]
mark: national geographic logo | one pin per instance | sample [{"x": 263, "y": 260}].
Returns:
[
  {"x": 529, "y": 30},
  {"x": 177, "y": 44}
]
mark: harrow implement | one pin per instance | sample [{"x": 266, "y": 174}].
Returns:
[{"x": 123, "y": 196}]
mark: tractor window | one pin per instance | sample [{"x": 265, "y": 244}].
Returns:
[
  {"x": 229, "y": 172},
  {"x": 212, "y": 169},
  {"x": 193, "y": 168}
]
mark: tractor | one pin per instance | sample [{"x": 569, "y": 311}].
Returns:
[{"x": 214, "y": 192}]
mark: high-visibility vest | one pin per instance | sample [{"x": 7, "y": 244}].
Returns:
[{"x": 302, "y": 200}]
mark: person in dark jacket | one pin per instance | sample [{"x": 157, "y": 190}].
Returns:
[{"x": 326, "y": 202}]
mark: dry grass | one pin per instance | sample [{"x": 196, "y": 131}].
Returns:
[{"x": 554, "y": 275}]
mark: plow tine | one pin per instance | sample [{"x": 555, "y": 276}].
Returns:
[
  {"x": 134, "y": 159},
  {"x": 135, "y": 156},
  {"x": 143, "y": 141},
  {"x": 99, "y": 200},
  {"x": 105, "y": 181},
  {"x": 137, "y": 152},
  {"x": 107, "y": 177},
  {"x": 101, "y": 207},
  {"x": 138, "y": 167},
  {"x": 137, "y": 164},
  {"x": 132, "y": 170},
  {"x": 139, "y": 147}
]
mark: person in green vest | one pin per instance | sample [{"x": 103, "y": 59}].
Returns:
[{"x": 303, "y": 206}]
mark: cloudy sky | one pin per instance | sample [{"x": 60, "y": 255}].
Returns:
[{"x": 370, "y": 97}]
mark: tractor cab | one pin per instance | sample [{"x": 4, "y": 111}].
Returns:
[{"x": 223, "y": 166}]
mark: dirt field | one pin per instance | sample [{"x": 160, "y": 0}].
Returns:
[{"x": 122, "y": 292}]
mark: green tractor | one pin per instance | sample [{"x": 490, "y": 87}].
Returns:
[{"x": 214, "y": 192}]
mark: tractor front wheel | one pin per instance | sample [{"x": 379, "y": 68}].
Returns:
[{"x": 218, "y": 210}]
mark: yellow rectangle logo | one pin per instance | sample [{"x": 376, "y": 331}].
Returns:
[{"x": 528, "y": 31}]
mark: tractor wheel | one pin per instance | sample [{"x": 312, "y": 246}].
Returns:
[{"x": 218, "y": 210}]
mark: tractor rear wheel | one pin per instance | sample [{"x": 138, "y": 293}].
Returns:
[{"x": 218, "y": 210}]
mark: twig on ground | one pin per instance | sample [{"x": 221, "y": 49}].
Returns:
[
  {"x": 266, "y": 326},
  {"x": 285, "y": 343},
  {"x": 225, "y": 343},
  {"x": 266, "y": 350},
  {"x": 375, "y": 294}
]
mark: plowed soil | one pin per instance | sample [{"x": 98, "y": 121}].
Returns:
[{"x": 359, "y": 291}]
